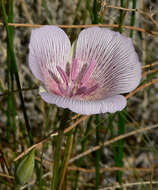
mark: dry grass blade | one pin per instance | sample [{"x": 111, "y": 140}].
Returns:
[
  {"x": 141, "y": 87},
  {"x": 150, "y": 65},
  {"x": 112, "y": 141},
  {"x": 6, "y": 176},
  {"x": 149, "y": 15},
  {"x": 26, "y": 11},
  {"x": 51, "y": 135},
  {"x": 103, "y": 169},
  {"x": 149, "y": 72},
  {"x": 129, "y": 185},
  {"x": 66, "y": 164},
  {"x": 82, "y": 26},
  {"x": 111, "y": 169}
]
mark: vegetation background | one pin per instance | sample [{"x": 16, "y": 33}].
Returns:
[{"x": 107, "y": 151}]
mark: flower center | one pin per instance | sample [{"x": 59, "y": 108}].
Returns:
[{"x": 76, "y": 82}]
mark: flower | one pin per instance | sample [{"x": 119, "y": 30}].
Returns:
[{"x": 89, "y": 76}]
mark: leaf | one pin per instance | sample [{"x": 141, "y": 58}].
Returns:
[{"x": 25, "y": 168}]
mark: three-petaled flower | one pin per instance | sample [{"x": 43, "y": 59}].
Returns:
[{"x": 89, "y": 76}]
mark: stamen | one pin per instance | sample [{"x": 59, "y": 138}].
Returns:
[
  {"x": 51, "y": 81},
  {"x": 73, "y": 71},
  {"x": 81, "y": 73},
  {"x": 81, "y": 90},
  {"x": 55, "y": 78},
  {"x": 63, "y": 74},
  {"x": 88, "y": 72},
  {"x": 90, "y": 90},
  {"x": 67, "y": 70},
  {"x": 61, "y": 89}
]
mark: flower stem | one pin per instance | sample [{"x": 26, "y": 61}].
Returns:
[
  {"x": 67, "y": 154},
  {"x": 56, "y": 161},
  {"x": 57, "y": 153}
]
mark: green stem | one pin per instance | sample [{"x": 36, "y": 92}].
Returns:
[
  {"x": 98, "y": 154},
  {"x": 95, "y": 12},
  {"x": 121, "y": 17},
  {"x": 83, "y": 148},
  {"x": 67, "y": 154},
  {"x": 11, "y": 105},
  {"x": 121, "y": 131},
  {"x": 57, "y": 153},
  {"x": 112, "y": 136},
  {"x": 89, "y": 9},
  {"x": 133, "y": 17},
  {"x": 41, "y": 180},
  {"x": 76, "y": 11},
  {"x": 15, "y": 69},
  {"x": 66, "y": 151},
  {"x": 56, "y": 161}
]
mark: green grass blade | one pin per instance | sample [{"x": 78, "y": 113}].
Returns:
[
  {"x": 95, "y": 12},
  {"x": 89, "y": 9},
  {"x": 111, "y": 118},
  {"x": 97, "y": 153},
  {"x": 11, "y": 113},
  {"x": 121, "y": 17},
  {"x": 75, "y": 21},
  {"x": 121, "y": 131},
  {"x": 133, "y": 17},
  {"x": 41, "y": 181},
  {"x": 83, "y": 148},
  {"x": 56, "y": 161},
  {"x": 57, "y": 153},
  {"x": 65, "y": 158},
  {"x": 15, "y": 69}
]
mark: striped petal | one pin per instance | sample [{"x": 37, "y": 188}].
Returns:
[
  {"x": 49, "y": 46},
  {"x": 117, "y": 66},
  {"x": 111, "y": 104}
]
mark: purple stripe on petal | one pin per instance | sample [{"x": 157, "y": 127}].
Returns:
[
  {"x": 63, "y": 74},
  {"x": 90, "y": 90},
  {"x": 73, "y": 71},
  {"x": 88, "y": 72}
]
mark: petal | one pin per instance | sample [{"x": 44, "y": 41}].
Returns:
[
  {"x": 49, "y": 46},
  {"x": 111, "y": 104},
  {"x": 118, "y": 69}
]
